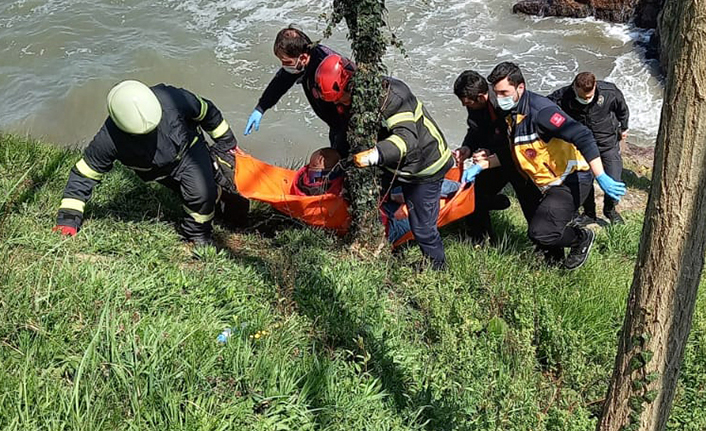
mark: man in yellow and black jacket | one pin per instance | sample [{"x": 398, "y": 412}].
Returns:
[
  {"x": 157, "y": 132},
  {"x": 487, "y": 132},
  {"x": 410, "y": 148},
  {"x": 559, "y": 155}
]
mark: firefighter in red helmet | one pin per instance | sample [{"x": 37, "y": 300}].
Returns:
[{"x": 411, "y": 149}]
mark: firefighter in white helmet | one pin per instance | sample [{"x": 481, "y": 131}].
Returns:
[{"x": 157, "y": 132}]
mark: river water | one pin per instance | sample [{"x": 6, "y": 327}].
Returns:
[{"x": 59, "y": 58}]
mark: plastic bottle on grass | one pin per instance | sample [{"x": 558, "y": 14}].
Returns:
[
  {"x": 224, "y": 336},
  {"x": 227, "y": 333}
]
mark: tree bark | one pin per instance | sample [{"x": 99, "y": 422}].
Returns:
[
  {"x": 671, "y": 256},
  {"x": 365, "y": 20}
]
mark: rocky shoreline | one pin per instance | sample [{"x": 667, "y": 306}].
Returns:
[
  {"x": 639, "y": 159},
  {"x": 641, "y": 13}
]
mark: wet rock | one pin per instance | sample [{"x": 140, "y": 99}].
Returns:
[
  {"x": 666, "y": 33},
  {"x": 561, "y": 8},
  {"x": 607, "y": 10},
  {"x": 647, "y": 13},
  {"x": 643, "y": 13}
]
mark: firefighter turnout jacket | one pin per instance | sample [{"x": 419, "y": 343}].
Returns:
[
  {"x": 161, "y": 155},
  {"x": 546, "y": 143},
  {"x": 606, "y": 115},
  {"x": 410, "y": 144}
]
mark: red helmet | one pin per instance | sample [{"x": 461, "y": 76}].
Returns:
[{"x": 332, "y": 78}]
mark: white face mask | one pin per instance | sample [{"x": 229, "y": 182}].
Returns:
[
  {"x": 294, "y": 70},
  {"x": 507, "y": 103},
  {"x": 584, "y": 101}
]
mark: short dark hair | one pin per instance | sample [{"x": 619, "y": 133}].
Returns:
[
  {"x": 470, "y": 84},
  {"x": 291, "y": 42},
  {"x": 508, "y": 70},
  {"x": 585, "y": 81}
]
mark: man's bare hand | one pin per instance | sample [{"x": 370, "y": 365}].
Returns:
[{"x": 461, "y": 155}]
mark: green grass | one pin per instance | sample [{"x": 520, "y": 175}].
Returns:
[{"x": 116, "y": 328}]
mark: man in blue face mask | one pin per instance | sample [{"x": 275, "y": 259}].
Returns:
[
  {"x": 487, "y": 132},
  {"x": 600, "y": 106},
  {"x": 559, "y": 155}
]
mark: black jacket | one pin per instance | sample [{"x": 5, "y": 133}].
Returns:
[
  {"x": 487, "y": 129},
  {"x": 152, "y": 156},
  {"x": 607, "y": 114},
  {"x": 283, "y": 81},
  {"x": 410, "y": 143}
]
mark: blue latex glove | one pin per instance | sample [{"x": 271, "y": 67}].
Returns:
[
  {"x": 253, "y": 121},
  {"x": 614, "y": 189},
  {"x": 470, "y": 174}
]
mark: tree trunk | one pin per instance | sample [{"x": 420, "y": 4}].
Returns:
[
  {"x": 365, "y": 20},
  {"x": 671, "y": 256}
]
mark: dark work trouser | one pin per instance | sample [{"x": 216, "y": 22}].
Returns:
[
  {"x": 489, "y": 183},
  {"x": 549, "y": 227},
  {"x": 613, "y": 165},
  {"x": 232, "y": 208},
  {"x": 193, "y": 180},
  {"x": 422, "y": 202}
]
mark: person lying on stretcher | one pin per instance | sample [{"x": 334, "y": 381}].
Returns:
[{"x": 322, "y": 175}]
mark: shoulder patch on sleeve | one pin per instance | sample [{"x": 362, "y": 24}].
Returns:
[{"x": 557, "y": 119}]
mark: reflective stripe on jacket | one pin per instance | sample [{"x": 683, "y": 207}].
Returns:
[
  {"x": 152, "y": 156},
  {"x": 410, "y": 143}
]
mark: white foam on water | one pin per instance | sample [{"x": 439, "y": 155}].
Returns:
[
  {"x": 635, "y": 80},
  {"x": 441, "y": 37}
]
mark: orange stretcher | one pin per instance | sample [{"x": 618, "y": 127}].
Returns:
[{"x": 263, "y": 182}]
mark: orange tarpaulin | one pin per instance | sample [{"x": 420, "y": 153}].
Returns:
[
  {"x": 263, "y": 182},
  {"x": 260, "y": 181},
  {"x": 460, "y": 205}
]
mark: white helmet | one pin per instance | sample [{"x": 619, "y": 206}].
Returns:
[{"x": 134, "y": 108}]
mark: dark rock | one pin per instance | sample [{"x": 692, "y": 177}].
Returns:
[
  {"x": 562, "y": 8},
  {"x": 644, "y": 11},
  {"x": 666, "y": 33},
  {"x": 647, "y": 13}
]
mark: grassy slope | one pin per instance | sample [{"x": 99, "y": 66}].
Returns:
[{"x": 115, "y": 328}]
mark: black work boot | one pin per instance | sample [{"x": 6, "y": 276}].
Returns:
[
  {"x": 614, "y": 217},
  {"x": 580, "y": 250},
  {"x": 232, "y": 210},
  {"x": 202, "y": 241},
  {"x": 479, "y": 228}
]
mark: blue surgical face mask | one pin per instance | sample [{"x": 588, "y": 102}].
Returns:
[
  {"x": 507, "y": 103},
  {"x": 584, "y": 101}
]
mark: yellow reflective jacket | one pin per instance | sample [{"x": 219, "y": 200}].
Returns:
[{"x": 546, "y": 143}]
